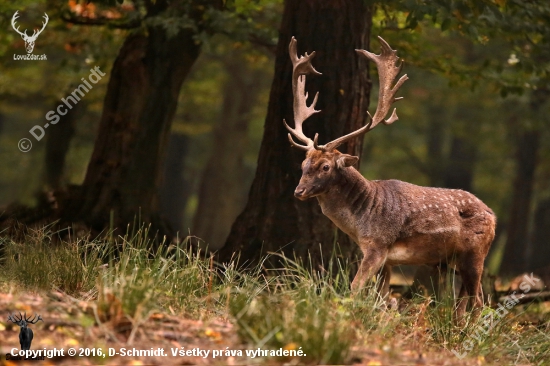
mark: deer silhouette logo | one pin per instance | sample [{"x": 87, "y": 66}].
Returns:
[
  {"x": 25, "y": 335},
  {"x": 29, "y": 40}
]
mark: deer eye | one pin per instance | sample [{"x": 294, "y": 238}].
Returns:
[{"x": 326, "y": 168}]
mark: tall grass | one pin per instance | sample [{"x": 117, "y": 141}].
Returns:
[
  {"x": 293, "y": 307},
  {"x": 37, "y": 264},
  {"x": 299, "y": 307}
]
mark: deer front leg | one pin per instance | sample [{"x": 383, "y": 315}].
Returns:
[{"x": 373, "y": 260}]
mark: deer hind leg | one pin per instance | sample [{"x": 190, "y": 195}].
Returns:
[
  {"x": 471, "y": 270},
  {"x": 384, "y": 284}
]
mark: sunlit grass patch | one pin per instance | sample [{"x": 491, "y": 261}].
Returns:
[
  {"x": 300, "y": 309},
  {"x": 40, "y": 264}
]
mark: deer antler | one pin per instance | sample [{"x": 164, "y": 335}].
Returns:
[
  {"x": 34, "y": 319},
  {"x": 301, "y": 66},
  {"x": 387, "y": 72},
  {"x": 36, "y": 33},
  {"x": 12, "y": 318},
  {"x": 13, "y": 19}
]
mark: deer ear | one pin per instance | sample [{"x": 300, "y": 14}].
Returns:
[{"x": 346, "y": 160}]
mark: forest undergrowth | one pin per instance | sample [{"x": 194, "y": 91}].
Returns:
[{"x": 117, "y": 292}]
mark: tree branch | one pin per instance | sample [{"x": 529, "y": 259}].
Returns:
[
  {"x": 69, "y": 17},
  {"x": 255, "y": 39}
]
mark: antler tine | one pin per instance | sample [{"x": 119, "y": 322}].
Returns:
[
  {"x": 387, "y": 72},
  {"x": 302, "y": 147},
  {"x": 43, "y": 23},
  {"x": 34, "y": 319},
  {"x": 35, "y": 32},
  {"x": 301, "y": 66},
  {"x": 11, "y": 318},
  {"x": 13, "y": 19}
]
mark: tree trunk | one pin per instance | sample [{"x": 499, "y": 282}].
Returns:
[
  {"x": 222, "y": 192},
  {"x": 541, "y": 233},
  {"x": 514, "y": 260},
  {"x": 516, "y": 253},
  {"x": 125, "y": 171},
  {"x": 273, "y": 219}
]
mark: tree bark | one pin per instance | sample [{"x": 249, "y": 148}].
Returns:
[
  {"x": 222, "y": 193},
  {"x": 514, "y": 260},
  {"x": 125, "y": 170},
  {"x": 273, "y": 219},
  {"x": 541, "y": 233}
]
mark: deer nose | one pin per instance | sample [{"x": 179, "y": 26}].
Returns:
[{"x": 299, "y": 192}]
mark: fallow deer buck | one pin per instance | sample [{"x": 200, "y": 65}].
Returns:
[{"x": 393, "y": 222}]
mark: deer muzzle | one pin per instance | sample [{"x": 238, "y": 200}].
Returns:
[{"x": 300, "y": 192}]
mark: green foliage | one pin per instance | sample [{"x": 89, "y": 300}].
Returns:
[{"x": 516, "y": 31}]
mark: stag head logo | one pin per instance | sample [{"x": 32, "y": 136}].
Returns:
[
  {"x": 25, "y": 334},
  {"x": 29, "y": 40}
]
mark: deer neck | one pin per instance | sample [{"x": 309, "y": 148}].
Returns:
[{"x": 351, "y": 196}]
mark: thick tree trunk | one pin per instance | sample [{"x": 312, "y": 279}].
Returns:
[
  {"x": 125, "y": 170},
  {"x": 273, "y": 219},
  {"x": 222, "y": 194}
]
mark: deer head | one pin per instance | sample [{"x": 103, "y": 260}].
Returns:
[
  {"x": 323, "y": 162},
  {"x": 22, "y": 321},
  {"x": 29, "y": 40}
]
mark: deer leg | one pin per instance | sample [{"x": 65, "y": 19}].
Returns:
[
  {"x": 384, "y": 285},
  {"x": 471, "y": 269},
  {"x": 462, "y": 301},
  {"x": 372, "y": 262}
]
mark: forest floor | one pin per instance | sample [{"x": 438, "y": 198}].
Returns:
[
  {"x": 69, "y": 323},
  {"x": 104, "y": 305}
]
